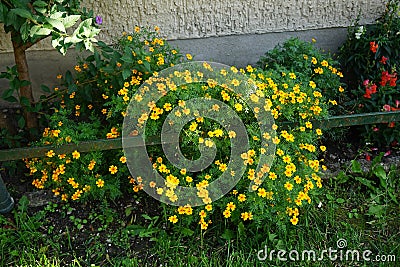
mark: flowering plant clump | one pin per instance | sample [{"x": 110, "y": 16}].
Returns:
[
  {"x": 291, "y": 180},
  {"x": 93, "y": 102},
  {"x": 309, "y": 63},
  {"x": 371, "y": 56}
]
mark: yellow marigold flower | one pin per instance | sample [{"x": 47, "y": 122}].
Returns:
[
  {"x": 238, "y": 107},
  {"x": 100, "y": 183},
  {"x": 64, "y": 197},
  {"x": 231, "y": 206},
  {"x": 341, "y": 89},
  {"x": 272, "y": 176},
  {"x": 312, "y": 84},
  {"x": 202, "y": 214},
  {"x": 189, "y": 179},
  {"x": 209, "y": 143},
  {"x": 122, "y": 159},
  {"x": 193, "y": 126},
  {"x": 203, "y": 225},
  {"x": 159, "y": 191},
  {"x": 294, "y": 220},
  {"x": 215, "y": 107},
  {"x": 231, "y": 134},
  {"x": 246, "y": 216},
  {"x": 288, "y": 186},
  {"x": 308, "y": 125},
  {"x": 173, "y": 219},
  {"x": 276, "y": 140},
  {"x": 242, "y": 197},
  {"x": 76, "y": 154},
  {"x": 113, "y": 169},
  {"x": 314, "y": 60},
  {"x": 50, "y": 154},
  {"x": 189, "y": 56},
  {"x": 183, "y": 171},
  {"x": 226, "y": 213},
  {"x": 318, "y": 131},
  {"x": 262, "y": 192}
]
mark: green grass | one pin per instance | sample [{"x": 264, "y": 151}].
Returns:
[{"x": 366, "y": 217}]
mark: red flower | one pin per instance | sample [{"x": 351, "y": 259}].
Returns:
[
  {"x": 388, "y": 78},
  {"x": 386, "y": 107},
  {"x": 392, "y": 124},
  {"x": 373, "y": 46},
  {"x": 383, "y": 60},
  {"x": 367, "y": 157},
  {"x": 369, "y": 90}
]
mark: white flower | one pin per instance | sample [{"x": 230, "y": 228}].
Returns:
[{"x": 360, "y": 32}]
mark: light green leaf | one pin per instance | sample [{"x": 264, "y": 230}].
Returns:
[
  {"x": 56, "y": 24},
  {"x": 40, "y": 31},
  {"x": 70, "y": 20},
  {"x": 57, "y": 15},
  {"x": 25, "y": 31},
  {"x": 55, "y": 42}
]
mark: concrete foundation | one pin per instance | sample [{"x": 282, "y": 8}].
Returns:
[{"x": 238, "y": 50}]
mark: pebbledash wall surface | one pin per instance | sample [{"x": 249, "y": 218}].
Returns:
[{"x": 230, "y": 32}]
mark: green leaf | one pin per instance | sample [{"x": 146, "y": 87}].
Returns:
[
  {"x": 186, "y": 231},
  {"x": 56, "y": 24},
  {"x": 376, "y": 210},
  {"x": 3, "y": 12},
  {"x": 25, "y": 101},
  {"x": 342, "y": 177},
  {"x": 7, "y": 93},
  {"x": 228, "y": 234},
  {"x": 21, "y": 122},
  {"x": 45, "y": 88},
  {"x": 126, "y": 73},
  {"x": 70, "y": 20},
  {"x": 355, "y": 166},
  {"x": 11, "y": 99},
  {"x": 24, "y": 13},
  {"x": 241, "y": 228},
  {"x": 39, "y": 3},
  {"x": 42, "y": 31},
  {"x": 25, "y": 31},
  {"x": 379, "y": 171},
  {"x": 366, "y": 182},
  {"x": 340, "y": 200}
]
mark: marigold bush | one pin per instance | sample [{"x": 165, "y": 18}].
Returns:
[{"x": 94, "y": 104}]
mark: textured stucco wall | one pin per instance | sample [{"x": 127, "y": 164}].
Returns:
[
  {"x": 186, "y": 19},
  {"x": 181, "y": 19}
]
